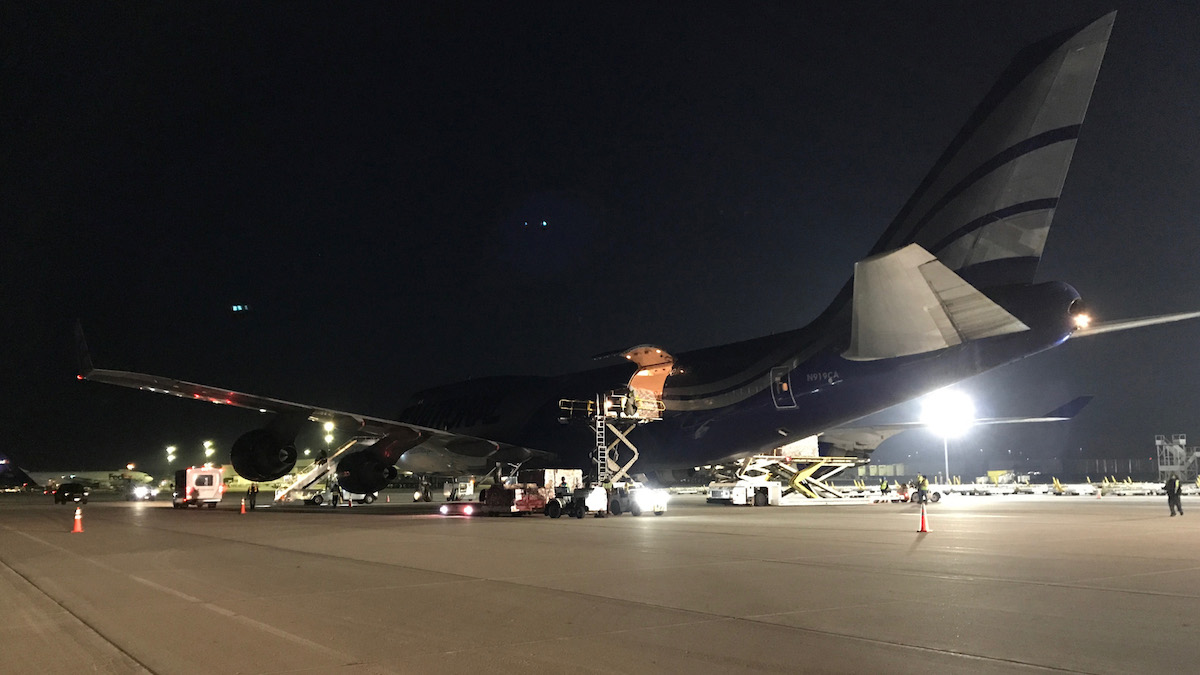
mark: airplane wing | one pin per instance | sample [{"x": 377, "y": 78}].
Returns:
[
  {"x": 438, "y": 449},
  {"x": 865, "y": 439}
]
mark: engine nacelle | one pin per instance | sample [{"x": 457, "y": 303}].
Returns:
[
  {"x": 260, "y": 456},
  {"x": 363, "y": 473}
]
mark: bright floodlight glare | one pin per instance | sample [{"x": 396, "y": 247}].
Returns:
[
  {"x": 208, "y": 444},
  {"x": 948, "y": 412},
  {"x": 328, "y": 438},
  {"x": 328, "y": 427},
  {"x": 1082, "y": 321}
]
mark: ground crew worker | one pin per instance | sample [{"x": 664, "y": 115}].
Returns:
[
  {"x": 1174, "y": 490},
  {"x": 922, "y": 488},
  {"x": 563, "y": 489},
  {"x": 252, "y": 495},
  {"x": 883, "y": 486}
]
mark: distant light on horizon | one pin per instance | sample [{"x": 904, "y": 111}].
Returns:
[{"x": 240, "y": 308}]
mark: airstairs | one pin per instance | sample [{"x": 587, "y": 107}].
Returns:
[{"x": 318, "y": 471}]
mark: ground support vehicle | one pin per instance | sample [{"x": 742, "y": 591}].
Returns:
[
  {"x": 71, "y": 492},
  {"x": 329, "y": 495},
  {"x": 745, "y": 493},
  {"x": 515, "y": 500},
  {"x": 624, "y": 497},
  {"x": 198, "y": 486}
]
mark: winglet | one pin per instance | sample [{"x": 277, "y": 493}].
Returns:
[
  {"x": 1070, "y": 410},
  {"x": 81, "y": 352}
]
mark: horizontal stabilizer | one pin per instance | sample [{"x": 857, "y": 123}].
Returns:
[
  {"x": 863, "y": 440},
  {"x": 907, "y": 302},
  {"x": 1067, "y": 411},
  {"x": 1114, "y": 326}
]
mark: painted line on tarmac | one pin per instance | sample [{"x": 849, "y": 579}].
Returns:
[
  {"x": 346, "y": 659},
  {"x": 66, "y": 609}
]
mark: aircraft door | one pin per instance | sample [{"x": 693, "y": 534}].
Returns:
[{"x": 781, "y": 387}]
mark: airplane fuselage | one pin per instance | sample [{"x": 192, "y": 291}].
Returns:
[{"x": 735, "y": 400}]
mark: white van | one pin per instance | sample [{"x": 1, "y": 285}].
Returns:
[{"x": 198, "y": 486}]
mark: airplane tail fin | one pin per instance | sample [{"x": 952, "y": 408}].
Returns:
[{"x": 985, "y": 208}]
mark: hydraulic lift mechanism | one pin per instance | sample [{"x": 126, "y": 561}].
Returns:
[{"x": 620, "y": 411}]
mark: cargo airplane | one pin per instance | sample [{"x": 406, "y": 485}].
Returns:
[{"x": 948, "y": 292}]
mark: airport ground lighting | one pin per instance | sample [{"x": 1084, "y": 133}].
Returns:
[
  {"x": 209, "y": 449},
  {"x": 948, "y": 413}
]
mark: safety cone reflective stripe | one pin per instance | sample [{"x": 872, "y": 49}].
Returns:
[
  {"x": 78, "y": 521},
  {"x": 924, "y": 521},
  {"x": 243, "y": 506}
]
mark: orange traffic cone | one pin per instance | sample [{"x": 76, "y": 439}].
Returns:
[
  {"x": 243, "y": 507},
  {"x": 389, "y": 499},
  {"x": 78, "y": 521},
  {"x": 924, "y": 521},
  {"x": 349, "y": 502}
]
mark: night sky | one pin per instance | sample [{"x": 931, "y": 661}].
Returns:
[{"x": 372, "y": 180}]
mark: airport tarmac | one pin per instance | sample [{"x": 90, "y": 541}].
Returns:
[{"x": 1017, "y": 583}]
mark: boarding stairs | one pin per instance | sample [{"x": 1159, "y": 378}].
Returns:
[{"x": 316, "y": 472}]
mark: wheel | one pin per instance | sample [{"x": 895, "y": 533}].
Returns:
[
  {"x": 935, "y": 497},
  {"x": 369, "y": 499},
  {"x": 483, "y": 496},
  {"x": 580, "y": 511},
  {"x": 659, "y": 512},
  {"x": 634, "y": 509},
  {"x": 760, "y": 499},
  {"x": 614, "y": 507},
  {"x": 211, "y": 505},
  {"x": 553, "y": 508},
  {"x": 317, "y": 500}
]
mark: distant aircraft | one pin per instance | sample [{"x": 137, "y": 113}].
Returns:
[{"x": 947, "y": 293}]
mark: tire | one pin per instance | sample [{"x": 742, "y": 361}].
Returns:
[
  {"x": 317, "y": 500},
  {"x": 580, "y": 511},
  {"x": 554, "y": 509},
  {"x": 635, "y": 510},
  {"x": 212, "y": 505},
  {"x": 369, "y": 499},
  {"x": 659, "y": 513},
  {"x": 935, "y": 497},
  {"x": 760, "y": 499}
]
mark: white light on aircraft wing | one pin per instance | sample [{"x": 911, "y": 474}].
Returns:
[
  {"x": 1082, "y": 320},
  {"x": 948, "y": 412}
]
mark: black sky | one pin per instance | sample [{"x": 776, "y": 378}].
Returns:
[{"x": 362, "y": 176}]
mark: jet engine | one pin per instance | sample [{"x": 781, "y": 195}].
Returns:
[
  {"x": 260, "y": 455},
  {"x": 364, "y": 472}
]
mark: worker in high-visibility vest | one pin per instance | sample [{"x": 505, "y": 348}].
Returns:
[
  {"x": 922, "y": 488},
  {"x": 883, "y": 487}
]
